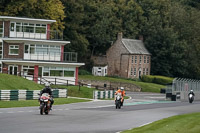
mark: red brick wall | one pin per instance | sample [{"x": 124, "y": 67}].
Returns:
[
  {"x": 6, "y": 51},
  {"x": 138, "y": 65},
  {"x": 6, "y": 28},
  {"x": 117, "y": 63}
]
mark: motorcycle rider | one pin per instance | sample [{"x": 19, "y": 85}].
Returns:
[
  {"x": 122, "y": 91},
  {"x": 47, "y": 89},
  {"x": 191, "y": 92}
]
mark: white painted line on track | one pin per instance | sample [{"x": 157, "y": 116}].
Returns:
[
  {"x": 20, "y": 111},
  {"x": 145, "y": 124}
]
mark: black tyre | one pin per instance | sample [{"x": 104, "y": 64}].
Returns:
[{"x": 42, "y": 109}]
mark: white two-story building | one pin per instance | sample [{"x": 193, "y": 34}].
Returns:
[{"x": 29, "y": 48}]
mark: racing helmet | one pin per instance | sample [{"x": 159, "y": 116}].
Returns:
[
  {"x": 121, "y": 88},
  {"x": 191, "y": 90},
  {"x": 47, "y": 84}
]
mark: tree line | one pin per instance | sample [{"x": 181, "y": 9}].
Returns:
[{"x": 170, "y": 28}]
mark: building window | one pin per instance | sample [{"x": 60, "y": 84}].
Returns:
[
  {"x": 40, "y": 28},
  {"x": 147, "y": 59},
  {"x": 132, "y": 59},
  {"x": 105, "y": 71},
  {"x": 144, "y": 59},
  {"x": 28, "y": 70},
  {"x": 135, "y": 71},
  {"x": 140, "y": 59},
  {"x": 1, "y": 30},
  {"x": 59, "y": 71},
  {"x": 143, "y": 71},
  {"x": 13, "y": 49},
  {"x": 147, "y": 71},
  {"x": 131, "y": 71},
  {"x": 135, "y": 59},
  {"x": 1, "y": 51}
]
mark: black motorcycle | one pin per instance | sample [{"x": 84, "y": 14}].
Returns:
[{"x": 191, "y": 98}]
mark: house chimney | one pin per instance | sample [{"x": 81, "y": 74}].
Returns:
[
  {"x": 119, "y": 36},
  {"x": 141, "y": 37}
]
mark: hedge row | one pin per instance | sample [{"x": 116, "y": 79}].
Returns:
[{"x": 157, "y": 79}]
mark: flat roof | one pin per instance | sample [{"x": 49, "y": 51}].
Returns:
[
  {"x": 27, "y": 19},
  {"x": 42, "y": 63}
]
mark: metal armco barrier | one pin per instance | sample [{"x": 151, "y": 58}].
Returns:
[
  {"x": 28, "y": 94},
  {"x": 103, "y": 94}
]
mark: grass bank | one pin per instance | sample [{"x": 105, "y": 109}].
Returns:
[
  {"x": 12, "y": 82},
  {"x": 146, "y": 87},
  {"x": 188, "y": 123},
  {"x": 74, "y": 91},
  {"x": 29, "y": 103}
]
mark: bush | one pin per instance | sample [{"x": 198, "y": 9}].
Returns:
[
  {"x": 84, "y": 72},
  {"x": 157, "y": 79}
]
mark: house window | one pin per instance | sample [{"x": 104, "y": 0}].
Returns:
[
  {"x": 105, "y": 71},
  {"x": 135, "y": 59},
  {"x": 28, "y": 70},
  {"x": 13, "y": 49},
  {"x": 147, "y": 59},
  {"x": 147, "y": 71},
  {"x": 140, "y": 59},
  {"x": 144, "y": 59},
  {"x": 19, "y": 27},
  {"x": 131, "y": 71},
  {"x": 132, "y": 59},
  {"x": 58, "y": 71},
  {"x": 40, "y": 28},
  {"x": 1, "y": 51},
  {"x": 143, "y": 71},
  {"x": 135, "y": 71},
  {"x": 1, "y": 30}
]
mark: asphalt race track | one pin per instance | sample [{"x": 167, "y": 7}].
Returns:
[{"x": 94, "y": 117}]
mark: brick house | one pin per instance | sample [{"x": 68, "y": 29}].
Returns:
[
  {"x": 128, "y": 58},
  {"x": 29, "y": 48}
]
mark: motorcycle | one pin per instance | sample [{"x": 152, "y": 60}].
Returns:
[
  {"x": 191, "y": 98},
  {"x": 118, "y": 102},
  {"x": 45, "y": 103}
]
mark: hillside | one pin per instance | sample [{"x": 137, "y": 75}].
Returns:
[{"x": 11, "y": 82}]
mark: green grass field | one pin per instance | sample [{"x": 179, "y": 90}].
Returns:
[
  {"x": 188, "y": 123},
  {"x": 146, "y": 87},
  {"x": 12, "y": 82},
  {"x": 28, "y": 103}
]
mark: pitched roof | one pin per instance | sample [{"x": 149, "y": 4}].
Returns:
[{"x": 135, "y": 46}]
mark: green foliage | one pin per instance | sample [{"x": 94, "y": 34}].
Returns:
[
  {"x": 157, "y": 79},
  {"x": 84, "y": 72},
  {"x": 51, "y": 9},
  {"x": 171, "y": 125},
  {"x": 11, "y": 82}
]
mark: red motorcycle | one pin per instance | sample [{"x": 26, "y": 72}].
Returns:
[{"x": 45, "y": 103}]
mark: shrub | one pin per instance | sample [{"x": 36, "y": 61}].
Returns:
[
  {"x": 157, "y": 79},
  {"x": 84, "y": 72}
]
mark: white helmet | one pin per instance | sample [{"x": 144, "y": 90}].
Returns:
[
  {"x": 191, "y": 90},
  {"x": 122, "y": 88},
  {"x": 47, "y": 84}
]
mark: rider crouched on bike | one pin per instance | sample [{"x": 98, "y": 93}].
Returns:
[
  {"x": 122, "y": 91},
  {"x": 47, "y": 89}
]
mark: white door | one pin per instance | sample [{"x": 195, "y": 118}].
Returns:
[{"x": 12, "y": 29}]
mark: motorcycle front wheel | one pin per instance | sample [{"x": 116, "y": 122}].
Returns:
[{"x": 41, "y": 109}]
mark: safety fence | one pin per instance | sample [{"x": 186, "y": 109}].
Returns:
[
  {"x": 29, "y": 94},
  {"x": 106, "y": 94},
  {"x": 180, "y": 88}
]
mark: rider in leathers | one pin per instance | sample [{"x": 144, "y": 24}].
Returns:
[{"x": 47, "y": 89}]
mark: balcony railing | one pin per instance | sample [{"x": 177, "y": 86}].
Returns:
[
  {"x": 70, "y": 57},
  {"x": 44, "y": 35}
]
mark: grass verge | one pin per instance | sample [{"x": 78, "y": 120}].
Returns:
[
  {"x": 188, "y": 123},
  {"x": 74, "y": 91},
  {"x": 29, "y": 103},
  {"x": 146, "y": 87},
  {"x": 12, "y": 82}
]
